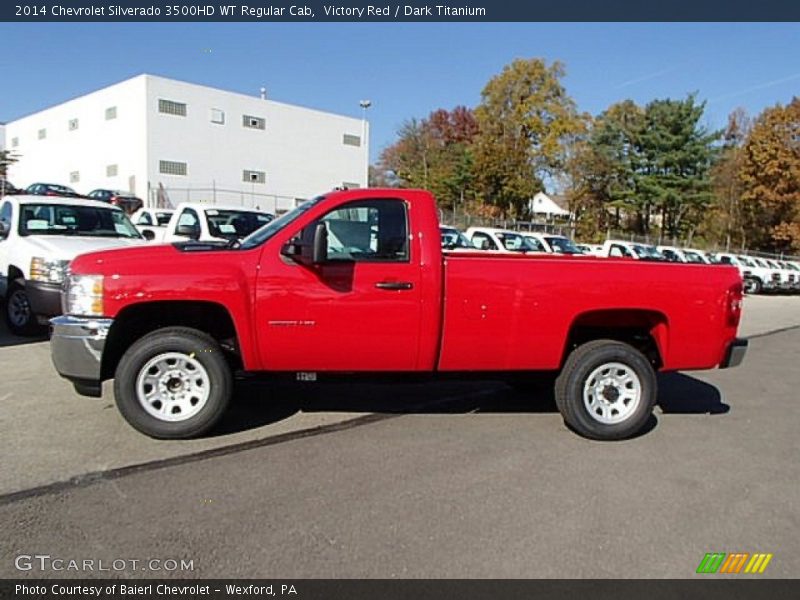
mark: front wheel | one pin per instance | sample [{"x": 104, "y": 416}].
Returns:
[
  {"x": 18, "y": 312},
  {"x": 173, "y": 383},
  {"x": 606, "y": 390},
  {"x": 752, "y": 285}
]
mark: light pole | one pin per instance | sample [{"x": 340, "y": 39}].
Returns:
[{"x": 365, "y": 104}]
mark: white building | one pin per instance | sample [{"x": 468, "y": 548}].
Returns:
[
  {"x": 542, "y": 204},
  {"x": 192, "y": 142}
]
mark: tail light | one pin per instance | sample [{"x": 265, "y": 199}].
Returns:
[{"x": 733, "y": 308}]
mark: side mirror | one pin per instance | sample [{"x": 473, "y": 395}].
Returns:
[
  {"x": 189, "y": 231},
  {"x": 148, "y": 235},
  {"x": 320, "y": 254},
  {"x": 4, "y": 229},
  {"x": 293, "y": 249}
]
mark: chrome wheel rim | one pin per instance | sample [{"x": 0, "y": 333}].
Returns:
[
  {"x": 19, "y": 308},
  {"x": 173, "y": 386},
  {"x": 611, "y": 393}
]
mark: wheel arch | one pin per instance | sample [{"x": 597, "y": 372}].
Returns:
[
  {"x": 139, "y": 319},
  {"x": 645, "y": 329}
]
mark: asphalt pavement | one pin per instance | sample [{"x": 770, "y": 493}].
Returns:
[{"x": 453, "y": 479}]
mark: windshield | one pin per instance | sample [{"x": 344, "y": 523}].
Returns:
[
  {"x": 563, "y": 245},
  {"x": 234, "y": 223},
  {"x": 64, "y": 219},
  {"x": 513, "y": 242},
  {"x": 746, "y": 261},
  {"x": 260, "y": 236},
  {"x": 650, "y": 252},
  {"x": 453, "y": 238},
  {"x": 693, "y": 257}
]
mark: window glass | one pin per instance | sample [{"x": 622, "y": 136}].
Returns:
[
  {"x": 188, "y": 217},
  {"x": 234, "y": 223},
  {"x": 482, "y": 241},
  {"x": 5, "y": 212},
  {"x": 534, "y": 244},
  {"x": 145, "y": 219},
  {"x": 368, "y": 230},
  {"x": 60, "y": 219}
]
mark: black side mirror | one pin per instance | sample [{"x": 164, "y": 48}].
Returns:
[
  {"x": 320, "y": 254},
  {"x": 148, "y": 235},
  {"x": 4, "y": 229},
  {"x": 189, "y": 231}
]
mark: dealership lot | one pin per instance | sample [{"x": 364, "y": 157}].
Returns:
[{"x": 413, "y": 480}]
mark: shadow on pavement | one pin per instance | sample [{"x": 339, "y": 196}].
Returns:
[
  {"x": 683, "y": 394},
  {"x": 7, "y": 339},
  {"x": 259, "y": 403}
]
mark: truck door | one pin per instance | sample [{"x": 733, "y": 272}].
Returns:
[{"x": 359, "y": 310}]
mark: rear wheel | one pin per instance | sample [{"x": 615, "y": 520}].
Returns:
[
  {"x": 18, "y": 312},
  {"x": 173, "y": 383},
  {"x": 606, "y": 390}
]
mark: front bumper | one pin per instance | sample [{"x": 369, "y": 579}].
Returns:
[
  {"x": 734, "y": 354},
  {"x": 76, "y": 347},
  {"x": 45, "y": 298}
]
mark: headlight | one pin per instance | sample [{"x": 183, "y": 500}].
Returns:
[
  {"x": 83, "y": 295},
  {"x": 48, "y": 271}
]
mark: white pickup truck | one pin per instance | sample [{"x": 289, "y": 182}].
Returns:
[
  {"x": 39, "y": 236},
  {"x": 213, "y": 222},
  {"x": 152, "y": 222}
]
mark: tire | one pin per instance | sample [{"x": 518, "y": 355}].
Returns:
[
  {"x": 600, "y": 411},
  {"x": 752, "y": 285},
  {"x": 18, "y": 313},
  {"x": 173, "y": 383}
]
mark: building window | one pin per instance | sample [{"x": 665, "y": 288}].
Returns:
[
  {"x": 111, "y": 113},
  {"x": 350, "y": 185},
  {"x": 168, "y": 107},
  {"x": 351, "y": 140},
  {"x": 111, "y": 170},
  {"x": 217, "y": 116},
  {"x": 254, "y": 176},
  {"x": 14, "y": 142},
  {"x": 42, "y": 134},
  {"x": 254, "y": 122},
  {"x": 73, "y": 124},
  {"x": 74, "y": 177},
  {"x": 171, "y": 167}
]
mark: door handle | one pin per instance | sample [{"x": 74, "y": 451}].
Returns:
[{"x": 394, "y": 285}]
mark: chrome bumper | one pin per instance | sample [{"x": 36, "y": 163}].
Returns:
[
  {"x": 76, "y": 347},
  {"x": 734, "y": 355}
]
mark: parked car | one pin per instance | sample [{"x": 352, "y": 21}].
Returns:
[
  {"x": 684, "y": 255},
  {"x": 590, "y": 249},
  {"x": 52, "y": 189},
  {"x": 453, "y": 239},
  {"x": 340, "y": 285},
  {"x": 213, "y": 222},
  {"x": 7, "y": 188},
  {"x": 499, "y": 240},
  {"x": 755, "y": 277},
  {"x": 152, "y": 222},
  {"x": 39, "y": 236},
  {"x": 125, "y": 200},
  {"x": 635, "y": 250},
  {"x": 550, "y": 242}
]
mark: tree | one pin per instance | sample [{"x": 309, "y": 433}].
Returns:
[
  {"x": 770, "y": 177},
  {"x": 526, "y": 121},
  {"x": 676, "y": 158},
  {"x": 434, "y": 153},
  {"x": 7, "y": 158}
]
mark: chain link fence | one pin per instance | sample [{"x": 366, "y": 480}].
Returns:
[{"x": 170, "y": 197}]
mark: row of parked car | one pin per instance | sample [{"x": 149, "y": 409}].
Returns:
[
  {"x": 125, "y": 200},
  {"x": 41, "y": 233},
  {"x": 758, "y": 274}
]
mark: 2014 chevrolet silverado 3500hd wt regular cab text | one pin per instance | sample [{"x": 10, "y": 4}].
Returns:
[{"x": 355, "y": 281}]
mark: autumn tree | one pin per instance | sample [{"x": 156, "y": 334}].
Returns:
[
  {"x": 434, "y": 153},
  {"x": 770, "y": 177},
  {"x": 526, "y": 121}
]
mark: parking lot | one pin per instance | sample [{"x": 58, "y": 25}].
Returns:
[{"x": 450, "y": 479}]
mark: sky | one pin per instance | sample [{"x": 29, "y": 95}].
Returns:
[{"x": 406, "y": 69}]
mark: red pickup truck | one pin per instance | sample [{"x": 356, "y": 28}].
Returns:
[{"x": 355, "y": 281}]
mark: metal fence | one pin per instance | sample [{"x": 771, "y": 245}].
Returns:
[
  {"x": 170, "y": 197},
  {"x": 463, "y": 221}
]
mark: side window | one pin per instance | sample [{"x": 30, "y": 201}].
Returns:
[
  {"x": 368, "y": 230},
  {"x": 616, "y": 251},
  {"x": 189, "y": 217},
  {"x": 725, "y": 260},
  {"x": 5, "y": 212},
  {"x": 534, "y": 244},
  {"x": 144, "y": 219},
  {"x": 482, "y": 241}
]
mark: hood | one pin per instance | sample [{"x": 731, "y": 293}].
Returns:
[
  {"x": 67, "y": 247},
  {"x": 167, "y": 258}
]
